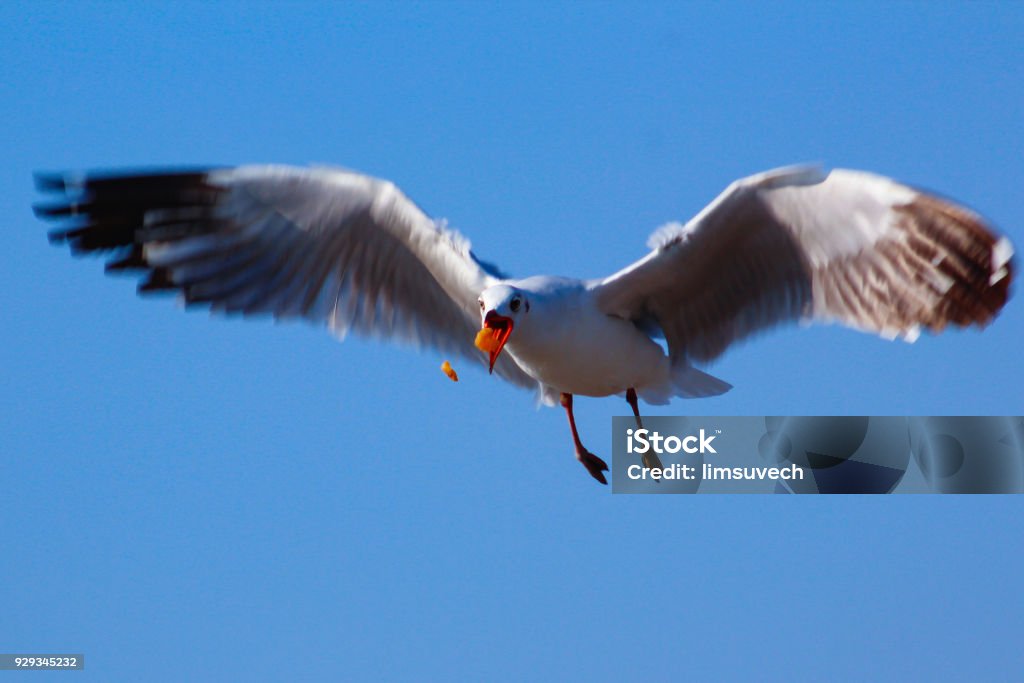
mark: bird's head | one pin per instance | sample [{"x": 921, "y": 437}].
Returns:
[{"x": 501, "y": 308}]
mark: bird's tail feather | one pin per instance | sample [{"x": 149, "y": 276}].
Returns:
[
  {"x": 684, "y": 381},
  {"x": 689, "y": 382}
]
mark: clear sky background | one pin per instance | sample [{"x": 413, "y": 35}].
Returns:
[{"x": 187, "y": 498}]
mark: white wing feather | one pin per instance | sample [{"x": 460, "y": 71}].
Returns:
[
  {"x": 327, "y": 245},
  {"x": 795, "y": 243}
]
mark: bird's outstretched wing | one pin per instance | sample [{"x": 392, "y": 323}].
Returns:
[
  {"x": 328, "y": 245},
  {"x": 798, "y": 243}
]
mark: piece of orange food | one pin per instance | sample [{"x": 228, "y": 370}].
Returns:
[
  {"x": 487, "y": 339},
  {"x": 446, "y": 368}
]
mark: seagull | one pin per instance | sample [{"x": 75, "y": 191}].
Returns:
[{"x": 350, "y": 252}]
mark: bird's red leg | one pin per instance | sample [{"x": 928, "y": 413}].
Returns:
[
  {"x": 631, "y": 400},
  {"x": 595, "y": 465},
  {"x": 650, "y": 458}
]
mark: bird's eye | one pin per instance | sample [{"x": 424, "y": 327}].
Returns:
[
  {"x": 516, "y": 303},
  {"x": 481, "y": 304}
]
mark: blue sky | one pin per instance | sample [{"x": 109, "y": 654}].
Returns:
[{"x": 188, "y": 498}]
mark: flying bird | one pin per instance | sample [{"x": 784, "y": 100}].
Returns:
[{"x": 353, "y": 253}]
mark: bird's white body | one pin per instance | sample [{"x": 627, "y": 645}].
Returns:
[{"x": 568, "y": 345}]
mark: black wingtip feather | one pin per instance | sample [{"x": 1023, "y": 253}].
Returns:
[
  {"x": 47, "y": 181},
  {"x": 51, "y": 211},
  {"x": 104, "y": 212},
  {"x": 159, "y": 280},
  {"x": 133, "y": 261},
  {"x": 58, "y": 236}
]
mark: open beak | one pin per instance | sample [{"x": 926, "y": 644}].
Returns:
[{"x": 492, "y": 337}]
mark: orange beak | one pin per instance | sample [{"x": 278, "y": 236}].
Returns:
[{"x": 492, "y": 337}]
